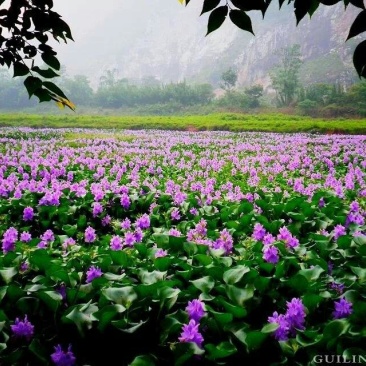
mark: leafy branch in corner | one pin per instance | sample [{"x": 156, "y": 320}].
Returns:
[
  {"x": 25, "y": 30},
  {"x": 237, "y": 11}
]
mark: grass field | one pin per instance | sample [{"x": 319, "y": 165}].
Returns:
[{"x": 227, "y": 122}]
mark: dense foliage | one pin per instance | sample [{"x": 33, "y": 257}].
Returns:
[{"x": 181, "y": 248}]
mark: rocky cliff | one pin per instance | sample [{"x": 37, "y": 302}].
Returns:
[{"x": 168, "y": 41}]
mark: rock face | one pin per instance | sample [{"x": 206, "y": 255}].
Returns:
[{"x": 168, "y": 41}]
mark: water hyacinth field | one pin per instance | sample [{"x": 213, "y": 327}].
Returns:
[{"x": 181, "y": 248}]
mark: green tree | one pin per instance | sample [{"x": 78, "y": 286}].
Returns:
[
  {"x": 254, "y": 93},
  {"x": 80, "y": 89},
  {"x": 285, "y": 77},
  {"x": 229, "y": 79}
]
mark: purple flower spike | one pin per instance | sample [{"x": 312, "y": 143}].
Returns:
[
  {"x": 195, "y": 310},
  {"x": 22, "y": 328},
  {"x": 295, "y": 314},
  {"x": 190, "y": 333},
  {"x": 281, "y": 333},
  {"x": 93, "y": 273},
  {"x": 61, "y": 358},
  {"x": 270, "y": 254},
  {"x": 28, "y": 214},
  {"x": 90, "y": 235},
  {"x": 342, "y": 309}
]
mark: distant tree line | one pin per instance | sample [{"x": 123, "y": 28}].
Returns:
[{"x": 150, "y": 96}]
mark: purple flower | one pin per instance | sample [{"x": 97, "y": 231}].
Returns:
[
  {"x": 160, "y": 253},
  {"x": 116, "y": 243},
  {"x": 338, "y": 287},
  {"x": 321, "y": 202},
  {"x": 25, "y": 237},
  {"x": 190, "y": 333},
  {"x": 138, "y": 235},
  {"x": 295, "y": 314},
  {"x": 342, "y": 309},
  {"x": 339, "y": 230},
  {"x": 143, "y": 222},
  {"x": 106, "y": 220},
  {"x": 193, "y": 211},
  {"x": 42, "y": 245},
  {"x": 93, "y": 273},
  {"x": 354, "y": 206},
  {"x": 126, "y": 224},
  {"x": 130, "y": 239},
  {"x": 175, "y": 215},
  {"x": 24, "y": 266},
  {"x": 284, "y": 234},
  {"x": 90, "y": 235},
  {"x": 270, "y": 254},
  {"x": 195, "y": 310},
  {"x": 225, "y": 241},
  {"x": 292, "y": 242},
  {"x": 97, "y": 209},
  {"x": 268, "y": 239},
  {"x": 175, "y": 232},
  {"x": 69, "y": 242},
  {"x": 61, "y": 358},
  {"x": 259, "y": 232},
  {"x": 28, "y": 214},
  {"x": 48, "y": 236},
  {"x": 22, "y": 328},
  {"x": 281, "y": 333},
  {"x": 125, "y": 201},
  {"x": 9, "y": 238},
  {"x": 330, "y": 267}
]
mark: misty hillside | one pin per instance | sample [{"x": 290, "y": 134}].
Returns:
[{"x": 167, "y": 41}]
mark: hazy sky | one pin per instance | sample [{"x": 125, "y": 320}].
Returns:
[
  {"x": 164, "y": 39},
  {"x": 107, "y": 30}
]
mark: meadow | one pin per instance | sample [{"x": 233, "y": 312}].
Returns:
[
  {"x": 193, "y": 247},
  {"x": 220, "y": 122}
]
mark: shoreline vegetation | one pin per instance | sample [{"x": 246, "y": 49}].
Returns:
[{"x": 234, "y": 122}]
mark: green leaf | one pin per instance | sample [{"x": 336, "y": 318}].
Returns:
[
  {"x": 51, "y": 60},
  {"x": 239, "y": 295},
  {"x": 241, "y": 20},
  {"x": 234, "y": 275},
  {"x": 216, "y": 18},
  {"x": 106, "y": 315},
  {"x": 82, "y": 316},
  {"x": 237, "y": 311},
  {"x": 48, "y": 73},
  {"x": 312, "y": 274},
  {"x": 359, "y": 59},
  {"x": 270, "y": 328},
  {"x": 204, "y": 284},
  {"x": 144, "y": 360},
  {"x": 8, "y": 273},
  {"x": 184, "y": 351},
  {"x": 335, "y": 328},
  {"x": 38, "y": 349},
  {"x": 221, "y": 350},
  {"x": 51, "y": 298},
  {"x": 54, "y": 89},
  {"x": 254, "y": 340},
  {"x": 360, "y": 273},
  {"x": 120, "y": 295},
  {"x": 32, "y": 84},
  {"x": 20, "y": 69},
  {"x": 209, "y": 5}
]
